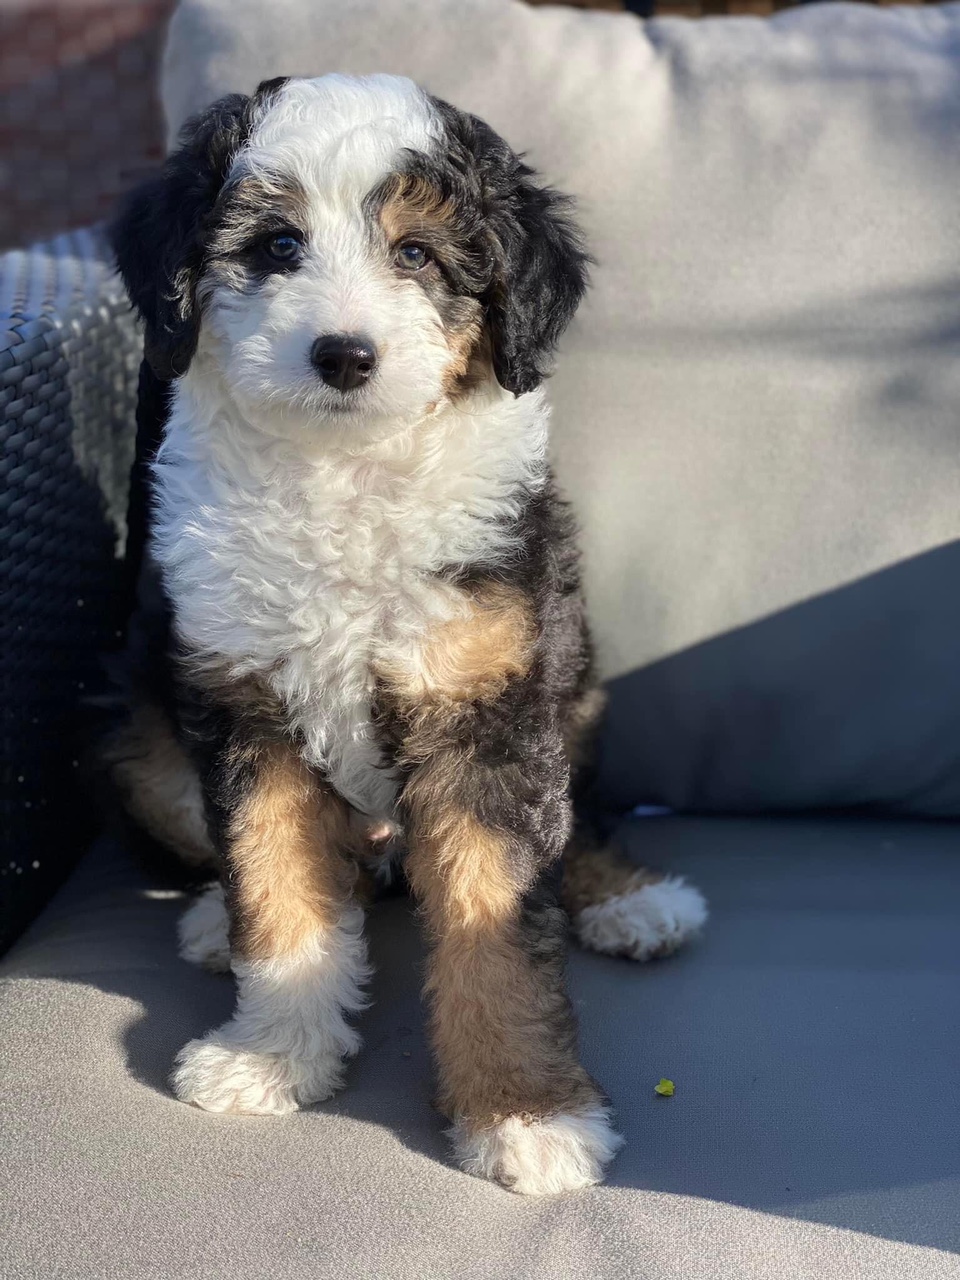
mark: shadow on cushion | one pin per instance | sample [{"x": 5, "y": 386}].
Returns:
[{"x": 848, "y": 700}]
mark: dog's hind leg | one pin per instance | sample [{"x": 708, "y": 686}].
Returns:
[
  {"x": 623, "y": 909},
  {"x": 159, "y": 785},
  {"x": 161, "y": 791},
  {"x": 614, "y": 905},
  {"x": 204, "y": 930}
]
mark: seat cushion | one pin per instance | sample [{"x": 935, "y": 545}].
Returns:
[
  {"x": 756, "y": 412},
  {"x": 813, "y": 1037}
]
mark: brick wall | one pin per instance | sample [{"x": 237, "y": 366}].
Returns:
[{"x": 79, "y": 117}]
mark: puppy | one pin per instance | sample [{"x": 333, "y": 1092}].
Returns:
[{"x": 368, "y": 630}]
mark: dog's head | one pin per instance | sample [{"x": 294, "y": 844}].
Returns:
[{"x": 348, "y": 251}]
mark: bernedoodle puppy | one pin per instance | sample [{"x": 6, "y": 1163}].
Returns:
[{"x": 368, "y": 639}]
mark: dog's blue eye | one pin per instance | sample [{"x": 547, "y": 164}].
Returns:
[
  {"x": 282, "y": 248},
  {"x": 412, "y": 257}
]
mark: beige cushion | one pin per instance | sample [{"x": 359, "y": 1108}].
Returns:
[
  {"x": 759, "y": 403},
  {"x": 812, "y": 1037}
]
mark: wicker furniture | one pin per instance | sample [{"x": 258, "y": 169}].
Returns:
[{"x": 69, "y": 355}]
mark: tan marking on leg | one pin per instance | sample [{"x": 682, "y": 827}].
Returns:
[
  {"x": 471, "y": 657},
  {"x": 466, "y": 867},
  {"x": 496, "y": 1056},
  {"x": 494, "y": 1010},
  {"x": 160, "y": 787},
  {"x": 288, "y": 865},
  {"x": 296, "y": 944}
]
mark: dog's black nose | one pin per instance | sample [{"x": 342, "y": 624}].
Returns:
[{"x": 344, "y": 362}]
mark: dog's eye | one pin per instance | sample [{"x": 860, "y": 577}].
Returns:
[
  {"x": 412, "y": 257},
  {"x": 282, "y": 248}
]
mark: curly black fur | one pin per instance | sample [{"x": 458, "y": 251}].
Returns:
[{"x": 160, "y": 235}]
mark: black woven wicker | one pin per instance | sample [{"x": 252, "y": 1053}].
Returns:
[{"x": 69, "y": 355}]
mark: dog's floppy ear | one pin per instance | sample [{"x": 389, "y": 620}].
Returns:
[
  {"x": 538, "y": 282},
  {"x": 158, "y": 235},
  {"x": 539, "y": 265}
]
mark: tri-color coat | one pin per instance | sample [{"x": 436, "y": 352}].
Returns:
[{"x": 366, "y": 630}]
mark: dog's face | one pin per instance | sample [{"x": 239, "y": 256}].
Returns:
[{"x": 350, "y": 253}]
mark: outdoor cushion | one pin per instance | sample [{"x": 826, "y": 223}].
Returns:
[
  {"x": 812, "y": 1036},
  {"x": 756, "y": 417},
  {"x": 756, "y": 413}
]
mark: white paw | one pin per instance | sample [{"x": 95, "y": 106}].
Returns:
[
  {"x": 565, "y": 1152},
  {"x": 650, "y": 921},
  {"x": 216, "y": 1075},
  {"x": 204, "y": 930}
]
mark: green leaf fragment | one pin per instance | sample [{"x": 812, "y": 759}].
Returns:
[{"x": 664, "y": 1088}]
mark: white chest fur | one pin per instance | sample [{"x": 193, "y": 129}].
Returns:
[{"x": 307, "y": 563}]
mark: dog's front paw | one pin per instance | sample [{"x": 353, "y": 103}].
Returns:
[
  {"x": 219, "y": 1075},
  {"x": 540, "y": 1157}
]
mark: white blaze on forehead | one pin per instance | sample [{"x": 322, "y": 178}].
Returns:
[{"x": 340, "y": 135}]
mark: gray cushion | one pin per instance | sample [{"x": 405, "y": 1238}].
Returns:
[
  {"x": 757, "y": 412},
  {"x": 813, "y": 1036}
]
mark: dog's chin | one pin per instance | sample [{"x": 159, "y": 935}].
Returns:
[{"x": 354, "y": 420}]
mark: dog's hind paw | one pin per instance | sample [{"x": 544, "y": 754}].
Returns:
[
  {"x": 532, "y": 1157},
  {"x": 650, "y": 921},
  {"x": 204, "y": 929}
]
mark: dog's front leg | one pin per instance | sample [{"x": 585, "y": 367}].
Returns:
[
  {"x": 482, "y": 838},
  {"x": 296, "y": 944}
]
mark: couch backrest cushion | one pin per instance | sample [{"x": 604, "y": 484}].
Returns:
[{"x": 758, "y": 410}]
